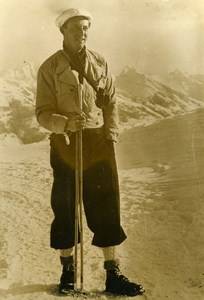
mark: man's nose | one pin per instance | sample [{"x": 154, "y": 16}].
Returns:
[{"x": 82, "y": 31}]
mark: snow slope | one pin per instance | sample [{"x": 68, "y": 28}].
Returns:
[{"x": 162, "y": 186}]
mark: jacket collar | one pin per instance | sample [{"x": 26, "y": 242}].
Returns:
[{"x": 64, "y": 62}]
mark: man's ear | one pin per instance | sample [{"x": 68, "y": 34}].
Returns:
[{"x": 62, "y": 29}]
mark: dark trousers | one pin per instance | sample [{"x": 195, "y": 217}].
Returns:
[{"x": 100, "y": 190}]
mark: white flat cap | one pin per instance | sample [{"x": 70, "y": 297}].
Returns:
[{"x": 70, "y": 13}]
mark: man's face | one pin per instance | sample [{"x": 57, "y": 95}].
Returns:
[{"x": 76, "y": 33}]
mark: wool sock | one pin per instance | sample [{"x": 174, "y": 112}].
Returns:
[
  {"x": 109, "y": 253},
  {"x": 66, "y": 252},
  {"x": 66, "y": 257},
  {"x": 111, "y": 264},
  {"x": 110, "y": 257}
]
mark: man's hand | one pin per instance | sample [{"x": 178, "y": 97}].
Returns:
[{"x": 75, "y": 122}]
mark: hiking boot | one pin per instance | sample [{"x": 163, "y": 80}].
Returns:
[
  {"x": 67, "y": 280},
  {"x": 117, "y": 283}
]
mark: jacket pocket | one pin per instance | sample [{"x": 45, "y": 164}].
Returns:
[
  {"x": 67, "y": 89},
  {"x": 67, "y": 83}
]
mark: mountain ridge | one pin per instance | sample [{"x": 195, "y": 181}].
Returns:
[
  {"x": 153, "y": 98},
  {"x": 142, "y": 99}
]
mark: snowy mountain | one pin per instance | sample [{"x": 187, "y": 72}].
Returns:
[
  {"x": 19, "y": 84},
  {"x": 146, "y": 99},
  {"x": 191, "y": 85},
  {"x": 17, "y": 94},
  {"x": 133, "y": 82},
  {"x": 141, "y": 99}
]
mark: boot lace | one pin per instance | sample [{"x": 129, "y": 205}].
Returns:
[
  {"x": 126, "y": 282},
  {"x": 119, "y": 274}
]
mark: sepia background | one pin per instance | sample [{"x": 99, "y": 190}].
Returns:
[
  {"x": 155, "y": 36},
  {"x": 154, "y": 50}
]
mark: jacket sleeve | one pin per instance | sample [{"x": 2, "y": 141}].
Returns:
[
  {"x": 110, "y": 111},
  {"x": 46, "y": 107}
]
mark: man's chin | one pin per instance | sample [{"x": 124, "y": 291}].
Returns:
[{"x": 79, "y": 46}]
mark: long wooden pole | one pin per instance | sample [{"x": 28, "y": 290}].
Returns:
[
  {"x": 76, "y": 232},
  {"x": 79, "y": 199}
]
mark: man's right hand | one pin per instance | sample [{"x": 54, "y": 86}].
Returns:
[{"x": 75, "y": 122}]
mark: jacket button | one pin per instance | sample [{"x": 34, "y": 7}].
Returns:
[{"x": 97, "y": 123}]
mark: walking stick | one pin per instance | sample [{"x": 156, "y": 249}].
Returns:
[{"x": 79, "y": 199}]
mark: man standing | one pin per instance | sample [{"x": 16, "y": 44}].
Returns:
[{"x": 57, "y": 111}]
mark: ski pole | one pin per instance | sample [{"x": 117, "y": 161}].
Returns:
[{"x": 79, "y": 199}]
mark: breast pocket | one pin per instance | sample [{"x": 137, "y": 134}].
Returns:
[
  {"x": 67, "y": 92},
  {"x": 67, "y": 83},
  {"x": 67, "y": 89},
  {"x": 67, "y": 96}
]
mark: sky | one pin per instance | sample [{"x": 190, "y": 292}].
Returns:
[{"x": 153, "y": 36}]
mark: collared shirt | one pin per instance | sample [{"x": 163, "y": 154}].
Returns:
[{"x": 57, "y": 94}]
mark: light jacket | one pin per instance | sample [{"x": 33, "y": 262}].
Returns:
[{"x": 57, "y": 94}]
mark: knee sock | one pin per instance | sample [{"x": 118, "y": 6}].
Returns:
[
  {"x": 66, "y": 257},
  {"x": 66, "y": 252},
  {"x": 109, "y": 253},
  {"x": 110, "y": 257}
]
